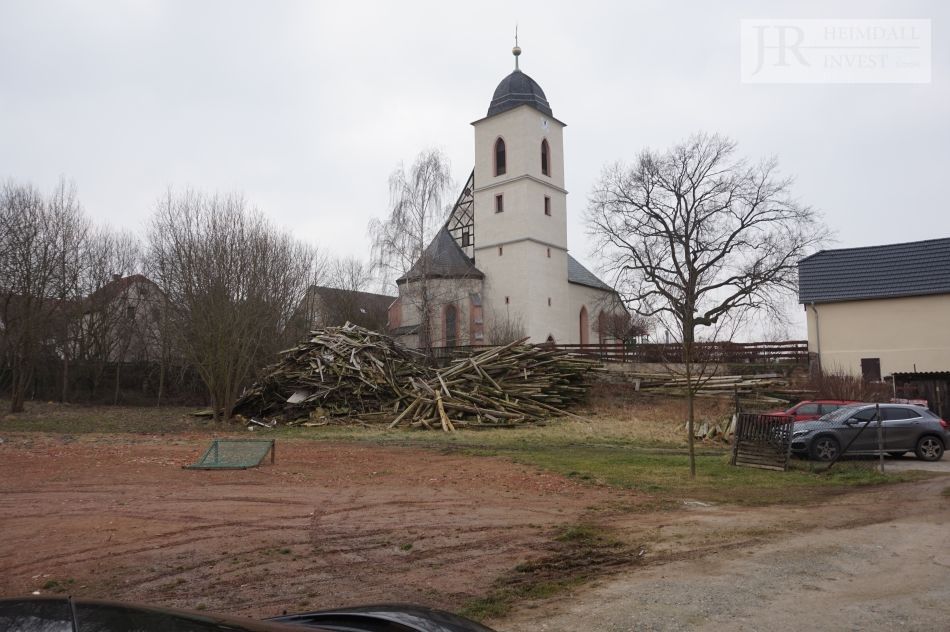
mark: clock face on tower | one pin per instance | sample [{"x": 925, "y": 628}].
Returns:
[{"x": 544, "y": 124}]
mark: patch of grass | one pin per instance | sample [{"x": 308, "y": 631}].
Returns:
[
  {"x": 58, "y": 585},
  {"x": 405, "y": 547},
  {"x": 501, "y": 601},
  {"x": 667, "y": 475},
  {"x": 582, "y": 552},
  {"x": 79, "y": 419},
  {"x": 627, "y": 443},
  {"x": 578, "y": 533}
]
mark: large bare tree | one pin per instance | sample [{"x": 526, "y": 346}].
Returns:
[
  {"x": 698, "y": 237},
  {"x": 232, "y": 282},
  {"x": 418, "y": 210}
]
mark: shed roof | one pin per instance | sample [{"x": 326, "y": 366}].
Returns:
[{"x": 915, "y": 268}]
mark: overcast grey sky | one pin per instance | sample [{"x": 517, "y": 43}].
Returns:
[{"x": 307, "y": 107}]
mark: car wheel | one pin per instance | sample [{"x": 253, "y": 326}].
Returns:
[
  {"x": 825, "y": 449},
  {"x": 896, "y": 455},
  {"x": 929, "y": 449}
]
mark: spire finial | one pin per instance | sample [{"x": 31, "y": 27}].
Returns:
[{"x": 517, "y": 49}]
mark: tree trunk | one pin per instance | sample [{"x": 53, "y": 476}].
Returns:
[
  {"x": 161, "y": 381},
  {"x": 118, "y": 369},
  {"x": 63, "y": 397},
  {"x": 690, "y": 396}
]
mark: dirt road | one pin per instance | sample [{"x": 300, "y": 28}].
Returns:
[
  {"x": 874, "y": 560},
  {"x": 115, "y": 516}
]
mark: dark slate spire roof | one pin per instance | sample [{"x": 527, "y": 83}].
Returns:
[
  {"x": 518, "y": 89},
  {"x": 445, "y": 260},
  {"x": 576, "y": 273},
  {"x": 911, "y": 269}
]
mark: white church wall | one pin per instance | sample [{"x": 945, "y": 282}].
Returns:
[{"x": 523, "y": 185}]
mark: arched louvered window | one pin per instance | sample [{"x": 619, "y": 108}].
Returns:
[
  {"x": 499, "y": 157},
  {"x": 584, "y": 327},
  {"x": 545, "y": 158}
]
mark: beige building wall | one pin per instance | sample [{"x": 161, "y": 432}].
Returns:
[{"x": 907, "y": 334}]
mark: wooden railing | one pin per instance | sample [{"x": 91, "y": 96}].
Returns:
[
  {"x": 784, "y": 352},
  {"x": 787, "y": 351}
]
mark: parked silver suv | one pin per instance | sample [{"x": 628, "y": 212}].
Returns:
[{"x": 853, "y": 430}]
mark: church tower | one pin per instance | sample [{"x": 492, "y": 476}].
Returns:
[{"x": 521, "y": 209}]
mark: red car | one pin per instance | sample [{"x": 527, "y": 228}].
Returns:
[{"x": 813, "y": 409}]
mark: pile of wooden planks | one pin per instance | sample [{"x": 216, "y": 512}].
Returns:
[
  {"x": 356, "y": 374},
  {"x": 717, "y": 385},
  {"x": 340, "y": 371},
  {"x": 501, "y": 387}
]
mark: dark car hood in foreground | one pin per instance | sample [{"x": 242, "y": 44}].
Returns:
[
  {"x": 62, "y": 614},
  {"x": 413, "y": 617}
]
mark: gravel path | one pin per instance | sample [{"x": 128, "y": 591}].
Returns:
[{"x": 892, "y": 575}]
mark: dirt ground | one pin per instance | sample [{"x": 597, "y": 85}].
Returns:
[
  {"x": 329, "y": 525},
  {"x": 332, "y": 524}
]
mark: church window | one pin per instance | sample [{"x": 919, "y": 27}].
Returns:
[
  {"x": 549, "y": 253},
  {"x": 545, "y": 158},
  {"x": 547, "y": 205},
  {"x": 451, "y": 325},
  {"x": 501, "y": 250},
  {"x": 499, "y": 157},
  {"x": 549, "y": 301},
  {"x": 499, "y": 203},
  {"x": 507, "y": 300}
]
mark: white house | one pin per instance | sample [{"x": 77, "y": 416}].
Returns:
[{"x": 500, "y": 266}]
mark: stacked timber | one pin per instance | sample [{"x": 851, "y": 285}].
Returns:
[
  {"x": 717, "y": 385},
  {"x": 501, "y": 387},
  {"x": 354, "y": 374},
  {"x": 340, "y": 371}
]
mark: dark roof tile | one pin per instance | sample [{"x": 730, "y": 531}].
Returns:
[
  {"x": 576, "y": 273},
  {"x": 445, "y": 260},
  {"x": 849, "y": 274}
]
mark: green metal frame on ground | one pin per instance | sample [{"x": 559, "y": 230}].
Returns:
[{"x": 234, "y": 454}]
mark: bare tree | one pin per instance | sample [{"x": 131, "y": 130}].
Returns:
[
  {"x": 417, "y": 211},
  {"x": 72, "y": 249},
  {"x": 232, "y": 281},
  {"x": 105, "y": 330},
  {"x": 32, "y": 243},
  {"x": 351, "y": 277},
  {"x": 505, "y": 328},
  {"x": 697, "y": 237},
  {"x": 622, "y": 326}
]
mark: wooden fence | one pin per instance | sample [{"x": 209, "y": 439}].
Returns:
[{"x": 784, "y": 352}]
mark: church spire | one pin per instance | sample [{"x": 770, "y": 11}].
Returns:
[{"x": 516, "y": 51}]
